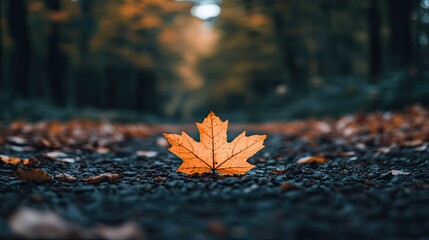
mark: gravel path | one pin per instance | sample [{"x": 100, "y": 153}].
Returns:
[{"x": 351, "y": 196}]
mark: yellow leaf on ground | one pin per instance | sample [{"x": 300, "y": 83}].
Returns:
[{"x": 214, "y": 153}]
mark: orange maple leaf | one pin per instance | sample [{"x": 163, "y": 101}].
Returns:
[{"x": 214, "y": 153}]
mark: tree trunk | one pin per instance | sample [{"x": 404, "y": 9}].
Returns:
[
  {"x": 20, "y": 61},
  {"x": 56, "y": 58},
  {"x": 400, "y": 30},
  {"x": 145, "y": 92},
  {"x": 375, "y": 56},
  {"x": 3, "y": 81},
  {"x": 287, "y": 44},
  {"x": 87, "y": 26}
]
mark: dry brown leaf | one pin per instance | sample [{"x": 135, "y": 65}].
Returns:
[
  {"x": 104, "y": 177},
  {"x": 159, "y": 179},
  {"x": 307, "y": 160},
  {"x": 217, "y": 228},
  {"x": 339, "y": 154},
  {"x": 15, "y": 160},
  {"x": 277, "y": 171},
  {"x": 288, "y": 186},
  {"x": 213, "y": 153},
  {"x": 65, "y": 177},
  {"x": 369, "y": 183},
  {"x": 421, "y": 186},
  {"x": 33, "y": 175}
]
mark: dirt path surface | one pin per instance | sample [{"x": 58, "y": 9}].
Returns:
[{"x": 367, "y": 188}]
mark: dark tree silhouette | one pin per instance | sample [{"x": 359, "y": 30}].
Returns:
[
  {"x": 87, "y": 26},
  {"x": 375, "y": 54},
  {"x": 146, "y": 86},
  {"x": 20, "y": 62},
  {"x": 56, "y": 58},
  {"x": 288, "y": 43},
  {"x": 400, "y": 35}
]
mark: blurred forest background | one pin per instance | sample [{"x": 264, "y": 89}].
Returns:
[{"x": 254, "y": 60}]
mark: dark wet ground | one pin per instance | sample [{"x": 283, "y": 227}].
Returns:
[{"x": 348, "y": 197}]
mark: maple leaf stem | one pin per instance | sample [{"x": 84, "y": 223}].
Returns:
[{"x": 213, "y": 158}]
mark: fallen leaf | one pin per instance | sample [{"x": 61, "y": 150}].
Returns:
[
  {"x": 421, "y": 148},
  {"x": 159, "y": 179},
  {"x": 277, "y": 171},
  {"x": 59, "y": 156},
  {"x": 340, "y": 154},
  {"x": 104, "y": 177},
  {"x": 213, "y": 153},
  {"x": 33, "y": 175},
  {"x": 384, "y": 150},
  {"x": 127, "y": 230},
  {"x": 369, "y": 183},
  {"x": 102, "y": 150},
  {"x": 324, "y": 127},
  {"x": 307, "y": 160},
  {"x": 413, "y": 143},
  {"x": 33, "y": 224},
  {"x": 421, "y": 186},
  {"x": 15, "y": 160},
  {"x": 21, "y": 148},
  {"x": 162, "y": 142},
  {"x": 17, "y": 140},
  {"x": 148, "y": 154},
  {"x": 66, "y": 160},
  {"x": 288, "y": 186},
  {"x": 361, "y": 146},
  {"x": 217, "y": 228},
  {"x": 65, "y": 177},
  {"x": 397, "y": 172},
  {"x": 36, "y": 198},
  {"x": 55, "y": 154}
]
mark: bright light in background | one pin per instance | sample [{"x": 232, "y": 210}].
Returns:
[{"x": 205, "y": 11}]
